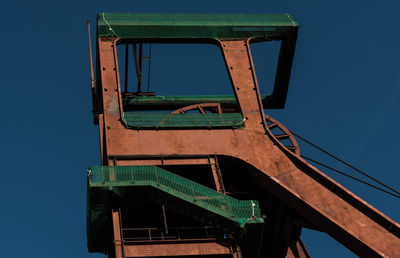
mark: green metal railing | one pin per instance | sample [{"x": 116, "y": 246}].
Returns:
[
  {"x": 238, "y": 211},
  {"x": 168, "y": 120},
  {"x": 195, "y": 26}
]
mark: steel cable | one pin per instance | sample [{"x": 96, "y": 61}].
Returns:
[
  {"x": 349, "y": 176},
  {"x": 397, "y": 193}
]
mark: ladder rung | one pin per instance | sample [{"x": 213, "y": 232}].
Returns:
[
  {"x": 273, "y": 125},
  {"x": 282, "y": 136}
]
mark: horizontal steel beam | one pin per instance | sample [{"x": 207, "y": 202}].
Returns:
[{"x": 178, "y": 249}]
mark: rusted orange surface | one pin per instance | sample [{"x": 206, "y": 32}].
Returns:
[{"x": 324, "y": 203}]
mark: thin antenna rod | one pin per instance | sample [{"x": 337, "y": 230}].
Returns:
[
  {"x": 126, "y": 67},
  {"x": 91, "y": 59},
  {"x": 92, "y": 82}
]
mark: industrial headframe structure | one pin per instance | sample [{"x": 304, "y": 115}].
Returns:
[{"x": 210, "y": 176}]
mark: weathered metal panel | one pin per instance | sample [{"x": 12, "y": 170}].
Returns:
[{"x": 309, "y": 192}]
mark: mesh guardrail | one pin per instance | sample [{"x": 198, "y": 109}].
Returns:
[
  {"x": 240, "y": 211},
  {"x": 168, "y": 120},
  {"x": 178, "y": 101},
  {"x": 197, "y": 26}
]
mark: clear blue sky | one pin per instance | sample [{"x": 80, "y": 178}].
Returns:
[{"x": 343, "y": 96}]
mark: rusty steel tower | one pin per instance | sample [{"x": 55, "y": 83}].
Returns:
[{"x": 185, "y": 176}]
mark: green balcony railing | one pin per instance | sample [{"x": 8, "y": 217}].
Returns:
[{"x": 168, "y": 120}]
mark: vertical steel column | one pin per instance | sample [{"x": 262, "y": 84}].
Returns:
[
  {"x": 240, "y": 67},
  {"x": 219, "y": 185},
  {"x": 116, "y": 220}
]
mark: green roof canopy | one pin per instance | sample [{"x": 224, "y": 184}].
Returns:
[{"x": 196, "y": 26}]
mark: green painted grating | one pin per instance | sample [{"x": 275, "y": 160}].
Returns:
[
  {"x": 168, "y": 120},
  {"x": 196, "y": 26},
  {"x": 177, "y": 101},
  {"x": 239, "y": 211}
]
